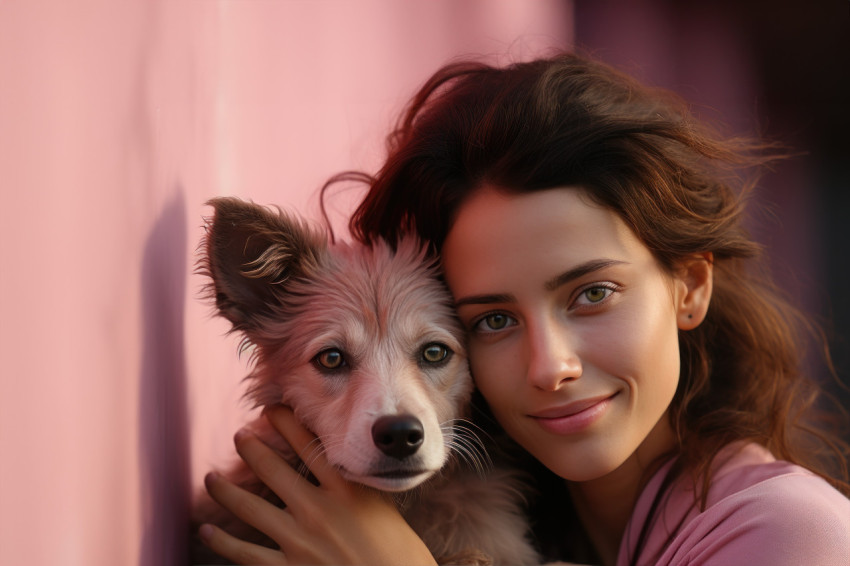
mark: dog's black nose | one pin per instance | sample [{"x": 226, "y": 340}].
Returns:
[{"x": 398, "y": 436}]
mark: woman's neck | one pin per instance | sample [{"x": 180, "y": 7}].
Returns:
[{"x": 604, "y": 505}]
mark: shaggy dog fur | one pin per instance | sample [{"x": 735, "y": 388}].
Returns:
[{"x": 363, "y": 344}]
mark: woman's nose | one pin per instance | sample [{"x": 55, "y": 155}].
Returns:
[{"x": 552, "y": 356}]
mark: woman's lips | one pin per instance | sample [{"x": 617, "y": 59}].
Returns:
[{"x": 573, "y": 417}]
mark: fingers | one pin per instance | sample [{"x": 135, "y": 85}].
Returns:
[
  {"x": 239, "y": 551},
  {"x": 305, "y": 444},
  {"x": 250, "y": 508},
  {"x": 269, "y": 466},
  {"x": 274, "y": 472}
]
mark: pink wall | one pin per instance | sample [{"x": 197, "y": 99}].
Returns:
[{"x": 117, "y": 121}]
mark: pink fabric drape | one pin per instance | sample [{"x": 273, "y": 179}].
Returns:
[{"x": 117, "y": 121}]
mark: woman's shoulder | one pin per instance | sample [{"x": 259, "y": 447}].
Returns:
[
  {"x": 753, "y": 505},
  {"x": 746, "y": 472},
  {"x": 758, "y": 511}
]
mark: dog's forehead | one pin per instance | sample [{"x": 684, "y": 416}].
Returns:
[
  {"x": 396, "y": 287},
  {"x": 382, "y": 279}
]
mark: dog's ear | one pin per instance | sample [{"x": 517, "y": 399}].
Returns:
[{"x": 250, "y": 253}]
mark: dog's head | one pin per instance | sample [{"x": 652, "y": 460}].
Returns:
[{"x": 360, "y": 341}]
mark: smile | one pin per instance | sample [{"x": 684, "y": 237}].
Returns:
[{"x": 573, "y": 417}]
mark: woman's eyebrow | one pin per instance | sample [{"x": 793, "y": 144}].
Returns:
[
  {"x": 551, "y": 285},
  {"x": 580, "y": 271},
  {"x": 483, "y": 300}
]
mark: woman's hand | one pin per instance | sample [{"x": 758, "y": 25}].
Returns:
[{"x": 336, "y": 522}]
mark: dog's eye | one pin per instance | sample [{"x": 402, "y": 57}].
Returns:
[
  {"x": 435, "y": 353},
  {"x": 330, "y": 359}
]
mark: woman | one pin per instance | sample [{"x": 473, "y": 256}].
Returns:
[{"x": 591, "y": 235}]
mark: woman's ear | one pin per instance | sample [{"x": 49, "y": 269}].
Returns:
[{"x": 695, "y": 276}]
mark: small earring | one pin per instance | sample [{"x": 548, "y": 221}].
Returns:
[{"x": 690, "y": 316}]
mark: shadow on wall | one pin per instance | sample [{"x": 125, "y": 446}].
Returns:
[{"x": 163, "y": 419}]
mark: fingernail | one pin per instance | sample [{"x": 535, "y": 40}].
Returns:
[
  {"x": 276, "y": 407},
  {"x": 206, "y": 532},
  {"x": 242, "y": 434},
  {"x": 210, "y": 478}
]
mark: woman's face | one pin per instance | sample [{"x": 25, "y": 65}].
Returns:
[{"x": 573, "y": 336}]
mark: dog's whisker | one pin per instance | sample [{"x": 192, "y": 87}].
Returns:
[
  {"x": 463, "y": 453},
  {"x": 469, "y": 425},
  {"x": 318, "y": 449},
  {"x": 321, "y": 447},
  {"x": 461, "y": 439},
  {"x": 312, "y": 451},
  {"x": 477, "y": 460},
  {"x": 476, "y": 453},
  {"x": 464, "y": 428}
]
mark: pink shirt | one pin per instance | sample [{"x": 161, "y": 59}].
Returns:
[{"x": 760, "y": 511}]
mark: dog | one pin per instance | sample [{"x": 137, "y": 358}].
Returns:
[{"x": 363, "y": 344}]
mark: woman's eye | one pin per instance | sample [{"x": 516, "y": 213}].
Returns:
[
  {"x": 494, "y": 322},
  {"x": 435, "y": 353},
  {"x": 594, "y": 295},
  {"x": 330, "y": 359}
]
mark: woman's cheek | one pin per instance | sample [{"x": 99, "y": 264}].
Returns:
[{"x": 493, "y": 370}]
